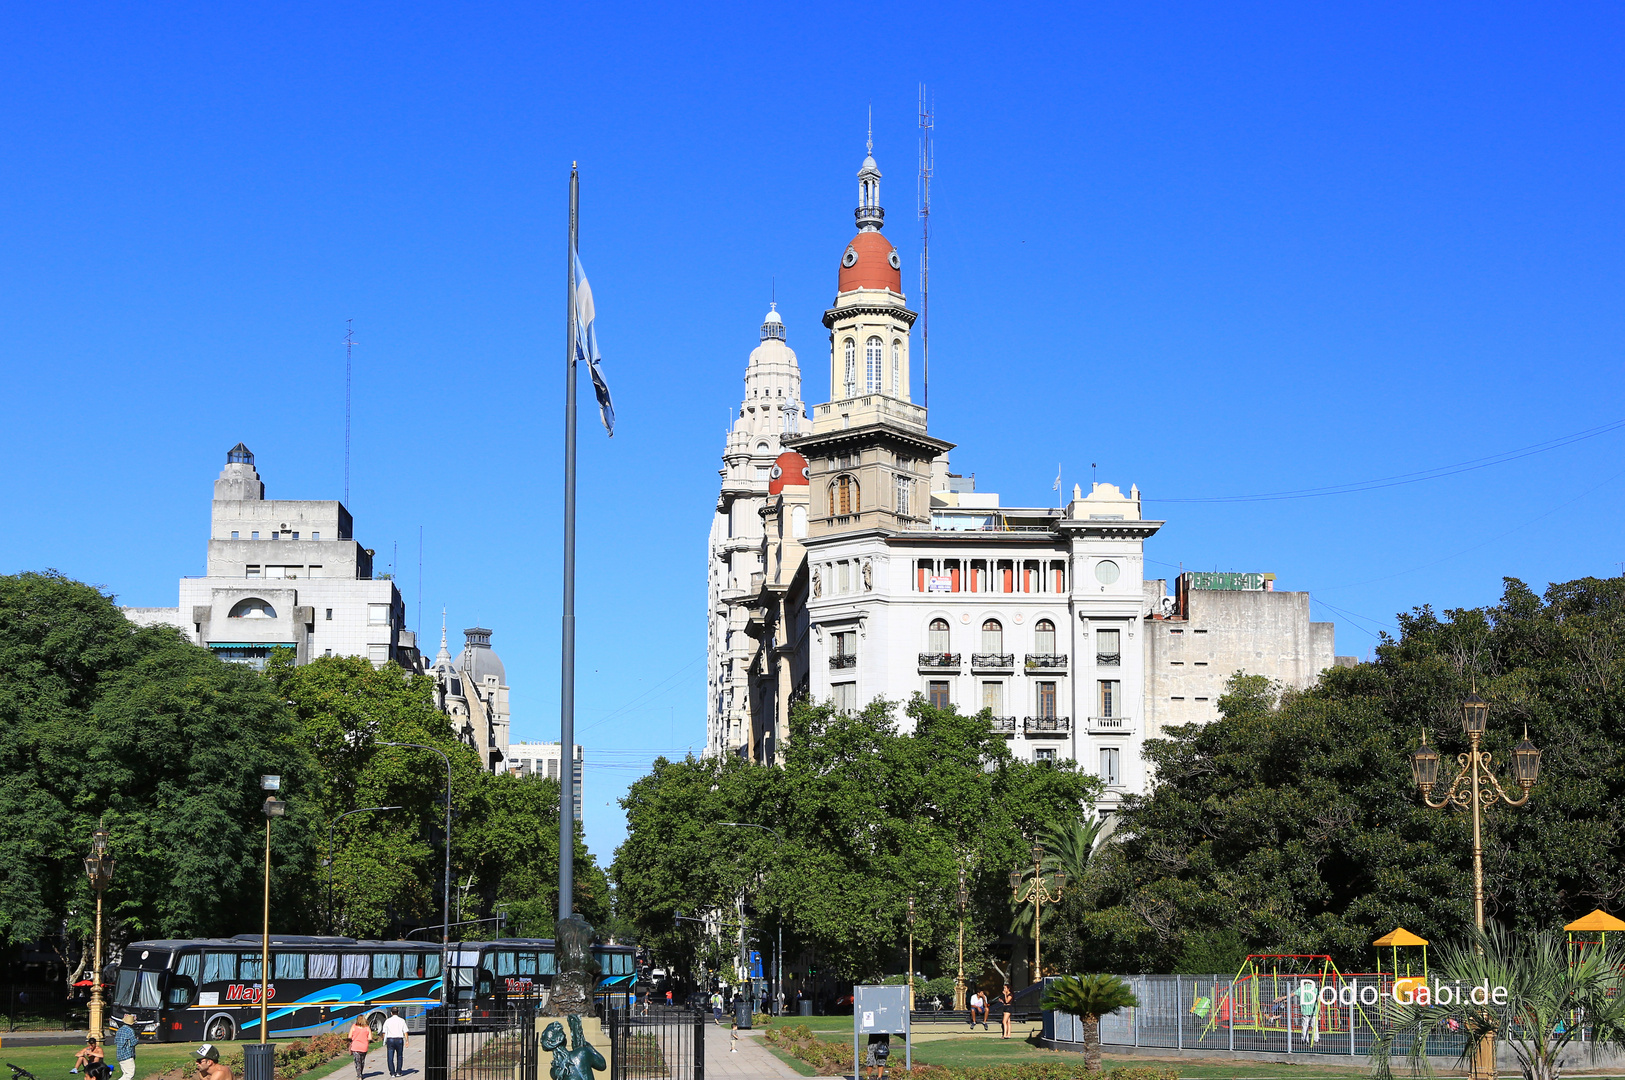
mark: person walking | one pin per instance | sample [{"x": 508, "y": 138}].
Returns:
[
  {"x": 360, "y": 1040},
  {"x": 716, "y": 1007},
  {"x": 1006, "y": 1003},
  {"x": 395, "y": 1044},
  {"x": 124, "y": 1046}
]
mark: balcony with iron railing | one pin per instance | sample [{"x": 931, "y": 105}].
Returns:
[
  {"x": 1004, "y": 725},
  {"x": 844, "y": 660},
  {"x": 1110, "y": 725},
  {"x": 1047, "y": 725},
  {"x": 1108, "y": 659},
  {"x": 1046, "y": 661},
  {"x": 987, "y": 661},
  {"x": 940, "y": 661}
]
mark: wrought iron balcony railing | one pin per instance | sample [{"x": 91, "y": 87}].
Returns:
[
  {"x": 1108, "y": 659},
  {"x": 1046, "y": 661},
  {"x": 947, "y": 660},
  {"x": 1047, "y": 725},
  {"x": 1004, "y": 725},
  {"x": 843, "y": 660},
  {"x": 992, "y": 660}
]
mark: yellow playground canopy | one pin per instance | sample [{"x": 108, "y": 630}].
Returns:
[
  {"x": 1597, "y": 921},
  {"x": 1402, "y": 937}
]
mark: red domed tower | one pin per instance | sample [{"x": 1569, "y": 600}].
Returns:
[{"x": 869, "y": 323}]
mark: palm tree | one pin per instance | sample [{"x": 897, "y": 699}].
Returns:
[
  {"x": 1089, "y": 997},
  {"x": 1548, "y": 1000}
]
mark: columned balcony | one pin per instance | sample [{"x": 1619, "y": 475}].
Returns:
[{"x": 1110, "y": 725}]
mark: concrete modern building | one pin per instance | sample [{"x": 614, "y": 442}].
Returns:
[
  {"x": 770, "y": 410},
  {"x": 866, "y": 569},
  {"x": 286, "y": 573},
  {"x": 544, "y": 759}
]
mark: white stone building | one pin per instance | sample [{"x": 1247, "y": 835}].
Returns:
[
  {"x": 876, "y": 573},
  {"x": 771, "y": 409},
  {"x": 473, "y": 691},
  {"x": 544, "y": 759}
]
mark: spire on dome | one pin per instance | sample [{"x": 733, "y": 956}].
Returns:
[
  {"x": 773, "y": 326},
  {"x": 871, "y": 217},
  {"x": 442, "y": 660}
]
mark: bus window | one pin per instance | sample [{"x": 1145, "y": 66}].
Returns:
[
  {"x": 248, "y": 966},
  {"x": 288, "y": 965},
  {"x": 505, "y": 963},
  {"x": 219, "y": 967},
  {"x": 138, "y": 988},
  {"x": 324, "y": 965},
  {"x": 183, "y": 984},
  {"x": 356, "y": 965},
  {"x": 526, "y": 964},
  {"x": 431, "y": 966},
  {"x": 546, "y": 965},
  {"x": 386, "y": 965}
]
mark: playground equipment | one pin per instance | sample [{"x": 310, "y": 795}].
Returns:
[
  {"x": 1267, "y": 995},
  {"x": 1580, "y": 931}
]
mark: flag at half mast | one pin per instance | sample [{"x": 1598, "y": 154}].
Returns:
[{"x": 587, "y": 346}]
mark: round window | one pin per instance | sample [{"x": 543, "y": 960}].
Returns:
[
  {"x": 1106, "y": 571},
  {"x": 850, "y": 259},
  {"x": 896, "y": 263}
]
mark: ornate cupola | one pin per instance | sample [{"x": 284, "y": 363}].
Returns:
[{"x": 871, "y": 218}]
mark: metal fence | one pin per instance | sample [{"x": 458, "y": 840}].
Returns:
[
  {"x": 656, "y": 1044},
  {"x": 502, "y": 1046},
  {"x": 1256, "y": 1012}
]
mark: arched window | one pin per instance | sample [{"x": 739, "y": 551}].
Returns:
[
  {"x": 1044, "y": 638},
  {"x": 851, "y": 368},
  {"x": 874, "y": 357},
  {"x": 253, "y": 608},
  {"x": 937, "y": 637},
  {"x": 762, "y": 448},
  {"x": 992, "y": 637},
  {"x": 897, "y": 368},
  {"x": 843, "y": 496}
]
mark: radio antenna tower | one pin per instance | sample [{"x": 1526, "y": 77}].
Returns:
[
  {"x": 927, "y": 167},
  {"x": 349, "y": 344}
]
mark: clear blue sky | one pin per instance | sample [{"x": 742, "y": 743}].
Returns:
[{"x": 1217, "y": 251}]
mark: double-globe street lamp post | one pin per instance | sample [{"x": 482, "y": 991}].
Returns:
[
  {"x": 274, "y": 808},
  {"x": 1475, "y": 789},
  {"x": 778, "y": 951},
  {"x": 445, "y": 898},
  {"x": 99, "y": 868},
  {"x": 1038, "y": 893},
  {"x": 959, "y": 976},
  {"x": 332, "y": 832}
]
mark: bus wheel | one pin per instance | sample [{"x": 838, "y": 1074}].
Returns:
[
  {"x": 376, "y": 1023},
  {"x": 220, "y": 1029}
]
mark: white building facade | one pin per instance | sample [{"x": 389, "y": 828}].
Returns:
[{"x": 544, "y": 759}]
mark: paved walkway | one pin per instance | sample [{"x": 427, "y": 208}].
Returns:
[
  {"x": 750, "y": 1057},
  {"x": 411, "y": 1061}
]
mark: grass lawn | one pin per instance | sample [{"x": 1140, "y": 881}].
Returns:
[{"x": 53, "y": 1062}]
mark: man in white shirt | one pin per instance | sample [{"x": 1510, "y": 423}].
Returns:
[
  {"x": 978, "y": 1005},
  {"x": 395, "y": 1043}
]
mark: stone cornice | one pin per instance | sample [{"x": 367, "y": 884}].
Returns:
[
  {"x": 835, "y": 314},
  {"x": 868, "y": 434}
]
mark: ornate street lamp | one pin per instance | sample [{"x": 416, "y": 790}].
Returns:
[
  {"x": 959, "y": 976},
  {"x": 1040, "y": 895},
  {"x": 99, "y": 869},
  {"x": 1476, "y": 789},
  {"x": 911, "y": 953},
  {"x": 274, "y": 808}
]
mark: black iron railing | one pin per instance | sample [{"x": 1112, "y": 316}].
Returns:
[
  {"x": 1045, "y": 661},
  {"x": 939, "y": 659},
  {"x": 1047, "y": 725},
  {"x": 1004, "y": 725},
  {"x": 1108, "y": 659},
  {"x": 843, "y": 660},
  {"x": 992, "y": 660}
]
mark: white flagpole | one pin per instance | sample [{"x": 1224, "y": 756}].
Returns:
[{"x": 567, "y": 672}]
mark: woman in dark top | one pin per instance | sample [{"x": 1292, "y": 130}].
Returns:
[{"x": 1005, "y": 1001}]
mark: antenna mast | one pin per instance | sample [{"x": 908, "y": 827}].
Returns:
[
  {"x": 927, "y": 166},
  {"x": 349, "y": 344}
]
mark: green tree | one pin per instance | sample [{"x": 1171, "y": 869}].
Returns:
[{"x": 1089, "y": 997}]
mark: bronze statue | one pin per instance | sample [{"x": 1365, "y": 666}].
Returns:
[
  {"x": 579, "y": 1061},
  {"x": 577, "y": 970}
]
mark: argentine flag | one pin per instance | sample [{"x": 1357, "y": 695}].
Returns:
[{"x": 587, "y": 346}]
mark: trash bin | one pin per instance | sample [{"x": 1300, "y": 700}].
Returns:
[
  {"x": 259, "y": 1061},
  {"x": 806, "y": 1008},
  {"x": 742, "y": 1012}
]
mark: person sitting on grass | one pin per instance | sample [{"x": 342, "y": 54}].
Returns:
[
  {"x": 91, "y": 1060},
  {"x": 208, "y": 1064}
]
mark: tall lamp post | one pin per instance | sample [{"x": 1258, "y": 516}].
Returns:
[
  {"x": 1475, "y": 789},
  {"x": 445, "y": 898},
  {"x": 274, "y": 808},
  {"x": 332, "y": 831},
  {"x": 911, "y": 953},
  {"x": 99, "y": 868},
  {"x": 778, "y": 950},
  {"x": 1039, "y": 894},
  {"x": 959, "y": 977}
]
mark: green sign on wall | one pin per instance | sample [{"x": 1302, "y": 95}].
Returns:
[{"x": 1226, "y": 581}]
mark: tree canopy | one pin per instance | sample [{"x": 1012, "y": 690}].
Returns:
[{"x": 1292, "y": 825}]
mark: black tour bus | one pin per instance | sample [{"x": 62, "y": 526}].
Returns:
[{"x": 208, "y": 989}]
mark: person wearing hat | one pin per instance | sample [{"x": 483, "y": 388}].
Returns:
[
  {"x": 208, "y": 1063},
  {"x": 124, "y": 1044}
]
